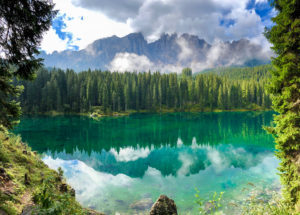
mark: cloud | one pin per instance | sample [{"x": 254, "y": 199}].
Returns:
[
  {"x": 227, "y": 54},
  {"x": 130, "y": 154},
  {"x": 210, "y": 20},
  {"x": 219, "y": 54},
  {"x": 81, "y": 26},
  {"x": 202, "y": 18},
  {"x": 186, "y": 51},
  {"x": 130, "y": 62},
  {"x": 225, "y": 20},
  {"x": 51, "y": 42},
  {"x": 118, "y": 10}
]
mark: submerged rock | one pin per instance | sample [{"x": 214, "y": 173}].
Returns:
[
  {"x": 164, "y": 205},
  {"x": 142, "y": 205}
]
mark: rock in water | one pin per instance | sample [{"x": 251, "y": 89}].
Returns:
[{"x": 164, "y": 206}]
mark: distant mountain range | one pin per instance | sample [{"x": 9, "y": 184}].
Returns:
[{"x": 183, "y": 50}]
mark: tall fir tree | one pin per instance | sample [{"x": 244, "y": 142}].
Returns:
[{"x": 285, "y": 90}]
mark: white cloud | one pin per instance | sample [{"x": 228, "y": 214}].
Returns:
[
  {"x": 130, "y": 154},
  {"x": 201, "y": 18},
  {"x": 130, "y": 62},
  {"x": 85, "y": 25},
  {"x": 186, "y": 51},
  {"x": 260, "y": 1},
  {"x": 154, "y": 17},
  {"x": 51, "y": 42},
  {"x": 219, "y": 54}
]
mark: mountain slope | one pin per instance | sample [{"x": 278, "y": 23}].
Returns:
[{"x": 184, "y": 50}]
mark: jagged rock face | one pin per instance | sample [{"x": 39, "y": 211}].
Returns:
[
  {"x": 166, "y": 50},
  {"x": 164, "y": 206}
]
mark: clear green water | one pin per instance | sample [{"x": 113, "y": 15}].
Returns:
[{"x": 115, "y": 162}]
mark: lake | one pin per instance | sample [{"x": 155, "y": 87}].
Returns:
[{"x": 120, "y": 165}]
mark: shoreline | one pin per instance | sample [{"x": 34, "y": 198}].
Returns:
[{"x": 130, "y": 112}]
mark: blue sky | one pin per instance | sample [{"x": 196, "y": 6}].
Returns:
[{"x": 80, "y": 22}]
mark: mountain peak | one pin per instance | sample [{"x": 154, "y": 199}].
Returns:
[{"x": 169, "y": 49}]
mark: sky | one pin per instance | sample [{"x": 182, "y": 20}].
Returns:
[{"x": 80, "y": 22}]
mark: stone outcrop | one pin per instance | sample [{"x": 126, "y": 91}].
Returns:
[{"x": 164, "y": 206}]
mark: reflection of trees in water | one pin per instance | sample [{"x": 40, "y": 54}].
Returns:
[
  {"x": 171, "y": 160},
  {"x": 224, "y": 132},
  {"x": 70, "y": 133}
]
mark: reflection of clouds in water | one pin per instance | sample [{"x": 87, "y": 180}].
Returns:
[
  {"x": 218, "y": 161},
  {"x": 92, "y": 187},
  {"x": 222, "y": 157},
  {"x": 85, "y": 180},
  {"x": 130, "y": 154},
  {"x": 268, "y": 165},
  {"x": 179, "y": 142},
  {"x": 187, "y": 160}
]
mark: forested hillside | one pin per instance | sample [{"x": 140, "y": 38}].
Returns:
[
  {"x": 244, "y": 73},
  {"x": 68, "y": 91}
]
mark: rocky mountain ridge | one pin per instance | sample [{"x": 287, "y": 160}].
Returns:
[{"x": 183, "y": 50}]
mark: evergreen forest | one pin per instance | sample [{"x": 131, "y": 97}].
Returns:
[{"x": 221, "y": 89}]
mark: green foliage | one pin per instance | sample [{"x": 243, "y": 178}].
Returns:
[
  {"x": 255, "y": 205},
  {"x": 106, "y": 93},
  {"x": 256, "y": 73},
  {"x": 187, "y": 72},
  {"x": 22, "y": 26},
  {"x": 285, "y": 91},
  {"x": 211, "y": 206},
  {"x": 17, "y": 159},
  {"x": 49, "y": 201}
]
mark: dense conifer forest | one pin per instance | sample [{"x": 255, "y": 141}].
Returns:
[{"x": 222, "y": 89}]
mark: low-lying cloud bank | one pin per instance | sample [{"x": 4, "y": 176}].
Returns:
[{"x": 219, "y": 54}]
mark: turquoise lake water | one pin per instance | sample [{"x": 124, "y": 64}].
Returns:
[{"x": 120, "y": 165}]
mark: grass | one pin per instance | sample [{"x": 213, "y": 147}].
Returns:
[
  {"x": 270, "y": 204},
  {"x": 26, "y": 183}
]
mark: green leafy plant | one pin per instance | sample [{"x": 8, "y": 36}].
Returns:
[
  {"x": 211, "y": 206},
  {"x": 50, "y": 201}
]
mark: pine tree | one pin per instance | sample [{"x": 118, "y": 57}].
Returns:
[
  {"x": 285, "y": 89},
  {"x": 22, "y": 26}
]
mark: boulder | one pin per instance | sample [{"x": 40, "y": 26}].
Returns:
[{"x": 164, "y": 205}]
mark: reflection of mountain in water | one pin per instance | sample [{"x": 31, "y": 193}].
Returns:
[
  {"x": 172, "y": 143},
  {"x": 172, "y": 160}
]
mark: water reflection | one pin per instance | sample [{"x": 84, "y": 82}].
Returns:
[
  {"x": 70, "y": 133},
  {"x": 115, "y": 162},
  {"x": 113, "y": 186}
]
